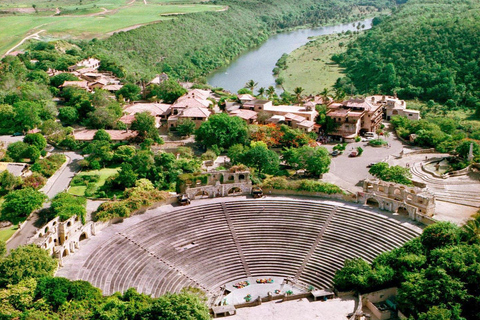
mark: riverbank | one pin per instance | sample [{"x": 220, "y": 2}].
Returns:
[
  {"x": 204, "y": 42},
  {"x": 258, "y": 63},
  {"x": 311, "y": 66}
]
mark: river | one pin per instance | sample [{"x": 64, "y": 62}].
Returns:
[{"x": 258, "y": 63}]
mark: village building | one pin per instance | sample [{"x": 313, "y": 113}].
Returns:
[
  {"x": 394, "y": 107},
  {"x": 197, "y": 114},
  {"x": 82, "y": 84},
  {"x": 158, "y": 110},
  {"x": 194, "y": 106},
  {"x": 158, "y": 79},
  {"x": 355, "y": 117},
  {"x": 249, "y": 116},
  {"x": 309, "y": 113},
  {"x": 244, "y": 98},
  {"x": 91, "y": 63},
  {"x": 257, "y": 105},
  {"x": 115, "y": 135}
]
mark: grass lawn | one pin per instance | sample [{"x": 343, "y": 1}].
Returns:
[
  {"x": 104, "y": 175},
  {"x": 109, "y": 16},
  {"x": 311, "y": 67},
  {"x": 5, "y": 234}
]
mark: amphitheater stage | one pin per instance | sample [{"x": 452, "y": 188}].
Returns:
[
  {"x": 299, "y": 309},
  {"x": 276, "y": 287}
]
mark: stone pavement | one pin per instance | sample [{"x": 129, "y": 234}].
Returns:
[{"x": 302, "y": 309}]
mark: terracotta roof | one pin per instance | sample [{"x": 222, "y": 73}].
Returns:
[
  {"x": 257, "y": 102},
  {"x": 306, "y": 124},
  {"x": 80, "y": 84},
  {"x": 244, "y": 114},
  {"x": 155, "y": 109},
  {"x": 187, "y": 102},
  {"x": 115, "y": 135},
  {"x": 245, "y": 97},
  {"x": 195, "y": 112},
  {"x": 294, "y": 117},
  {"x": 113, "y": 87},
  {"x": 361, "y": 104}
]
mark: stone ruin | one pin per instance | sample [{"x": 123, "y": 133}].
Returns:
[
  {"x": 398, "y": 198},
  {"x": 218, "y": 184}
]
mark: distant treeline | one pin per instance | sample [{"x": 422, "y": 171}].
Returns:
[
  {"x": 426, "y": 49},
  {"x": 191, "y": 46}
]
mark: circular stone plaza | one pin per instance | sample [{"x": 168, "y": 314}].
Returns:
[{"x": 237, "y": 250}]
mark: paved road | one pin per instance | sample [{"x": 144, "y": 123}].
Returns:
[
  {"x": 347, "y": 172},
  {"x": 56, "y": 184},
  {"x": 7, "y": 139}
]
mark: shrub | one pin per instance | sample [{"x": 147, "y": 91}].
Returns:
[
  {"x": 377, "y": 142},
  {"x": 48, "y": 166}
]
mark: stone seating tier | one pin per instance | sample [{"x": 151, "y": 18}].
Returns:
[{"x": 206, "y": 247}]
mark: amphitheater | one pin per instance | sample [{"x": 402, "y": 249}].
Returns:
[{"x": 214, "y": 244}]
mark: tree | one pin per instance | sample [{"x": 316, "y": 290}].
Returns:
[
  {"x": 258, "y": 156},
  {"x": 440, "y": 234},
  {"x": 186, "y": 127},
  {"x": 223, "y": 131},
  {"x": 353, "y": 276},
  {"x": 124, "y": 154},
  {"x": 26, "y": 262},
  {"x": 59, "y": 79},
  {"x": 126, "y": 177},
  {"x": 261, "y": 91},
  {"x": 298, "y": 93},
  {"x": 3, "y": 249},
  {"x": 235, "y": 153},
  {"x": 168, "y": 91},
  {"x": 26, "y": 115},
  {"x": 396, "y": 174},
  {"x": 251, "y": 85},
  {"x": 463, "y": 149},
  {"x": 175, "y": 306},
  {"x": 144, "y": 123},
  {"x": 102, "y": 135},
  {"x": 36, "y": 139},
  {"x": 17, "y": 150},
  {"x": 20, "y": 203},
  {"x": 270, "y": 92},
  {"x": 68, "y": 115},
  {"x": 129, "y": 92},
  {"x": 8, "y": 182},
  {"x": 65, "y": 205},
  {"x": 314, "y": 160}
]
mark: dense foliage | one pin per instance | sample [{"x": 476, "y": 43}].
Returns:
[
  {"x": 282, "y": 183},
  {"x": 28, "y": 290},
  {"x": 19, "y": 204},
  {"x": 386, "y": 172},
  {"x": 437, "y": 273},
  {"x": 426, "y": 50},
  {"x": 65, "y": 205},
  {"x": 222, "y": 131}
]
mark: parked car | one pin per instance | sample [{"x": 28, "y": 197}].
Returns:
[
  {"x": 183, "y": 200},
  {"x": 353, "y": 154},
  {"x": 335, "y": 153},
  {"x": 257, "y": 192}
]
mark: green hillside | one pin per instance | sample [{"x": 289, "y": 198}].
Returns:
[
  {"x": 427, "y": 50},
  {"x": 191, "y": 46}
]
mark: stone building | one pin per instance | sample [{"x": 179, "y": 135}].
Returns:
[{"x": 398, "y": 198}]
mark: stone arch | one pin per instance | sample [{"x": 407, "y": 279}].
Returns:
[
  {"x": 65, "y": 253},
  {"x": 402, "y": 210},
  {"x": 397, "y": 192},
  {"x": 241, "y": 176},
  {"x": 234, "y": 191},
  {"x": 83, "y": 236},
  {"x": 373, "y": 202},
  {"x": 201, "y": 194}
]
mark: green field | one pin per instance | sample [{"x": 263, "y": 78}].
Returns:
[
  {"x": 310, "y": 66},
  {"x": 91, "y": 19},
  {"x": 5, "y": 234},
  {"x": 104, "y": 175}
]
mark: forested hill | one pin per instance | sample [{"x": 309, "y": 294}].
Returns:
[
  {"x": 428, "y": 49},
  {"x": 193, "y": 45}
]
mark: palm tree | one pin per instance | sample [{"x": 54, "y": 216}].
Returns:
[
  {"x": 270, "y": 92},
  {"x": 261, "y": 91},
  {"x": 324, "y": 94},
  {"x": 251, "y": 85},
  {"x": 339, "y": 95},
  {"x": 298, "y": 93}
]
